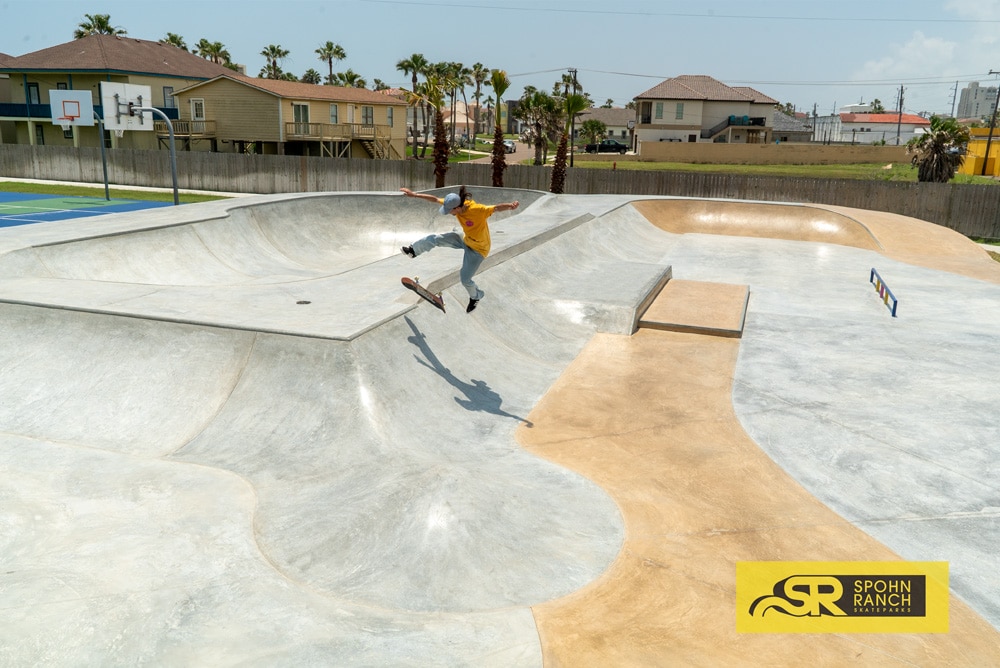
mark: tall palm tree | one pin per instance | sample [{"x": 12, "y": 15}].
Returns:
[
  {"x": 463, "y": 79},
  {"x": 500, "y": 83},
  {"x": 480, "y": 74},
  {"x": 175, "y": 40},
  {"x": 572, "y": 106},
  {"x": 97, "y": 24},
  {"x": 414, "y": 65},
  {"x": 274, "y": 55},
  {"x": 434, "y": 92},
  {"x": 328, "y": 53},
  {"x": 938, "y": 153}
]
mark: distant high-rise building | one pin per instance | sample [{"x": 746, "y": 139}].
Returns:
[{"x": 976, "y": 102}]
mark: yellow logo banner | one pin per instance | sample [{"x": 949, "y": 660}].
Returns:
[{"x": 842, "y": 597}]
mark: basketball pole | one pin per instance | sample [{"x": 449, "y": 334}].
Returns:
[
  {"x": 173, "y": 152},
  {"x": 104, "y": 155}
]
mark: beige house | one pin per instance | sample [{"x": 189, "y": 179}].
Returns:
[
  {"x": 236, "y": 113},
  {"x": 82, "y": 64},
  {"x": 698, "y": 108},
  {"x": 618, "y": 121}
]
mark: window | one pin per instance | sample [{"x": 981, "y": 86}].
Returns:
[
  {"x": 659, "y": 111},
  {"x": 39, "y": 135},
  {"x": 334, "y": 114},
  {"x": 300, "y": 114},
  {"x": 368, "y": 115},
  {"x": 62, "y": 86},
  {"x": 33, "y": 97},
  {"x": 388, "y": 116},
  {"x": 169, "y": 102},
  {"x": 679, "y": 114}
]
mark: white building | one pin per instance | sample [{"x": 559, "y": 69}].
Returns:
[
  {"x": 976, "y": 102},
  {"x": 893, "y": 128}
]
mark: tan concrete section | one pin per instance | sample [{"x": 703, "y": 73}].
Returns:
[
  {"x": 902, "y": 238},
  {"x": 717, "y": 309},
  {"x": 925, "y": 244},
  {"x": 650, "y": 419},
  {"x": 756, "y": 219}
]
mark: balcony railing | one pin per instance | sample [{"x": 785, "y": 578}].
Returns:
[
  {"x": 192, "y": 129},
  {"x": 335, "y": 131}
]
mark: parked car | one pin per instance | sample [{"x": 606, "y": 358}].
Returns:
[
  {"x": 607, "y": 146},
  {"x": 509, "y": 146}
]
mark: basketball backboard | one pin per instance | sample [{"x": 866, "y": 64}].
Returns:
[
  {"x": 121, "y": 103},
  {"x": 71, "y": 107}
]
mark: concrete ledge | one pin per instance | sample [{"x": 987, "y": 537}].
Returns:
[{"x": 713, "y": 309}]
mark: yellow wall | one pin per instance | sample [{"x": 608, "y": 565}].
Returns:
[{"x": 976, "y": 151}]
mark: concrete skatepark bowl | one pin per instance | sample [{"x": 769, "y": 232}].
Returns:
[{"x": 230, "y": 437}]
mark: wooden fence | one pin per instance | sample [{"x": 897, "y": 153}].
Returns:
[{"x": 973, "y": 210}]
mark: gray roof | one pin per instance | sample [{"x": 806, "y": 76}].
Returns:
[
  {"x": 618, "y": 117},
  {"x": 785, "y": 123}
]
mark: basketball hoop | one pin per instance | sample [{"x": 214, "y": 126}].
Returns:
[
  {"x": 66, "y": 125},
  {"x": 119, "y": 132}
]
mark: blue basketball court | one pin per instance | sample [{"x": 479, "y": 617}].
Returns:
[{"x": 26, "y": 208}]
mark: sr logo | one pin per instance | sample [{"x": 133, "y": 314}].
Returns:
[{"x": 803, "y": 596}]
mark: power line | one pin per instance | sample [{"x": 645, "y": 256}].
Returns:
[
  {"x": 919, "y": 81},
  {"x": 709, "y": 15}
]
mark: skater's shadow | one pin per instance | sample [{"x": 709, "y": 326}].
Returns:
[{"x": 478, "y": 394}]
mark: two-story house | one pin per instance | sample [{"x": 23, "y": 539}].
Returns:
[
  {"x": 82, "y": 65},
  {"x": 253, "y": 115},
  {"x": 210, "y": 106},
  {"x": 698, "y": 108}
]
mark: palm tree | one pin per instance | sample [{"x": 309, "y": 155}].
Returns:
[
  {"x": 500, "y": 83},
  {"x": 328, "y": 53},
  {"x": 414, "y": 65},
  {"x": 573, "y": 105},
  {"x": 480, "y": 74},
  {"x": 214, "y": 51},
  {"x": 464, "y": 78},
  {"x": 434, "y": 95},
  {"x": 539, "y": 110},
  {"x": 349, "y": 79},
  {"x": 312, "y": 77},
  {"x": 175, "y": 40},
  {"x": 274, "y": 55},
  {"x": 97, "y": 24},
  {"x": 937, "y": 154},
  {"x": 594, "y": 130}
]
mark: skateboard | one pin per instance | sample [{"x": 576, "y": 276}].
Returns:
[{"x": 414, "y": 284}]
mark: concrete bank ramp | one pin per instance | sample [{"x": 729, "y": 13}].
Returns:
[{"x": 194, "y": 493}]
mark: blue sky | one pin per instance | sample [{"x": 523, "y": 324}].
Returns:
[{"x": 822, "y": 54}]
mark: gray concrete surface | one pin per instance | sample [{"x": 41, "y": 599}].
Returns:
[{"x": 195, "y": 469}]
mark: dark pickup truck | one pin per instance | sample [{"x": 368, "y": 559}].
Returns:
[{"x": 607, "y": 146}]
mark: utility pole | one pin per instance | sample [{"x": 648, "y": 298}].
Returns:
[
  {"x": 954, "y": 96},
  {"x": 993, "y": 124},
  {"x": 899, "y": 121},
  {"x": 572, "y": 123}
]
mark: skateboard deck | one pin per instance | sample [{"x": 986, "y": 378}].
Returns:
[{"x": 414, "y": 284}]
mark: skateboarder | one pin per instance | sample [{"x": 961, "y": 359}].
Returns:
[{"x": 476, "y": 242}]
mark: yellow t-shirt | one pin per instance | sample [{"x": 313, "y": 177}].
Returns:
[{"x": 474, "y": 226}]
